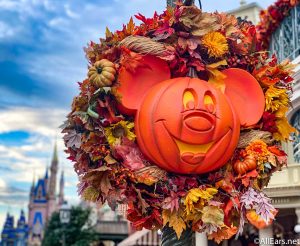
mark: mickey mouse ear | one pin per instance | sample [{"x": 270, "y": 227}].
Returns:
[
  {"x": 134, "y": 85},
  {"x": 246, "y": 95}
]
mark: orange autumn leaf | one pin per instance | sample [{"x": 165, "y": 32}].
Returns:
[
  {"x": 223, "y": 234},
  {"x": 226, "y": 185},
  {"x": 257, "y": 220},
  {"x": 130, "y": 61},
  {"x": 247, "y": 177},
  {"x": 150, "y": 175},
  {"x": 130, "y": 26},
  {"x": 276, "y": 151}
]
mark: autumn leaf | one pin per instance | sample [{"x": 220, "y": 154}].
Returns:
[
  {"x": 108, "y": 33},
  {"x": 247, "y": 177},
  {"x": 99, "y": 179},
  {"x": 276, "y": 151},
  {"x": 213, "y": 215},
  {"x": 264, "y": 207},
  {"x": 130, "y": 27},
  {"x": 198, "y": 22},
  {"x": 223, "y": 233},
  {"x": 216, "y": 77},
  {"x": 150, "y": 175},
  {"x": 198, "y": 195},
  {"x": 249, "y": 198},
  {"x": 142, "y": 203},
  {"x": 171, "y": 202},
  {"x": 233, "y": 203},
  {"x": 226, "y": 185},
  {"x": 72, "y": 139},
  {"x": 174, "y": 220},
  {"x": 110, "y": 160},
  {"x": 130, "y": 61},
  {"x": 90, "y": 194}
]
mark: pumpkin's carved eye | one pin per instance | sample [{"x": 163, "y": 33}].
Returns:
[
  {"x": 189, "y": 99},
  {"x": 209, "y": 102}
]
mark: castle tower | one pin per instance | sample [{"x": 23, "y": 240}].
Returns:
[
  {"x": 44, "y": 201},
  {"x": 22, "y": 230},
  {"x": 46, "y": 178},
  {"x": 52, "y": 204},
  {"x": 31, "y": 194},
  {"x": 61, "y": 197},
  {"x": 53, "y": 169},
  {"x": 7, "y": 234}
]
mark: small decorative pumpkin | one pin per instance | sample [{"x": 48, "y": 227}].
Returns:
[
  {"x": 186, "y": 125},
  {"x": 243, "y": 166},
  {"x": 102, "y": 73},
  {"x": 256, "y": 220}
]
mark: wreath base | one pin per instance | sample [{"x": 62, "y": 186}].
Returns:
[{"x": 169, "y": 237}]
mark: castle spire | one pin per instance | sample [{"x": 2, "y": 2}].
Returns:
[
  {"x": 32, "y": 185},
  {"x": 46, "y": 173},
  {"x": 55, "y": 156},
  {"x": 61, "y": 189},
  {"x": 53, "y": 170}
]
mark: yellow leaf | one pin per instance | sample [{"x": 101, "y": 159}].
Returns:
[
  {"x": 284, "y": 129},
  {"x": 216, "y": 77},
  {"x": 196, "y": 196},
  {"x": 108, "y": 33},
  {"x": 90, "y": 194},
  {"x": 175, "y": 221},
  {"x": 213, "y": 215}
]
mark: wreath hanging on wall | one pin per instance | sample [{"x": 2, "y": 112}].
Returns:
[{"x": 180, "y": 118}]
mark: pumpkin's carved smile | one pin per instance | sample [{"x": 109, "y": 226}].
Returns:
[{"x": 195, "y": 153}]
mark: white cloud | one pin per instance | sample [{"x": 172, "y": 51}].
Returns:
[
  {"x": 44, "y": 121},
  {"x": 2, "y": 184},
  {"x": 6, "y": 31},
  {"x": 70, "y": 12}
]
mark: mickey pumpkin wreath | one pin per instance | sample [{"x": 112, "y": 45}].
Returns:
[{"x": 181, "y": 120}]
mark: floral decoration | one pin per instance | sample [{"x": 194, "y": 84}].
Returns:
[
  {"x": 270, "y": 20},
  {"x": 110, "y": 165}
]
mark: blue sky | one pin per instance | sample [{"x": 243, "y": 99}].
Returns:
[{"x": 41, "y": 59}]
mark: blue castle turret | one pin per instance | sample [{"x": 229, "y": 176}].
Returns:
[{"x": 15, "y": 236}]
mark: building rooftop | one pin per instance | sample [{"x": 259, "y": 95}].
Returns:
[{"x": 245, "y": 7}]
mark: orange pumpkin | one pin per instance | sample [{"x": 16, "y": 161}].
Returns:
[
  {"x": 249, "y": 163},
  {"x": 186, "y": 125},
  {"x": 256, "y": 220}
]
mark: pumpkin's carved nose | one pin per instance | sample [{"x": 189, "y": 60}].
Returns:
[{"x": 199, "y": 121}]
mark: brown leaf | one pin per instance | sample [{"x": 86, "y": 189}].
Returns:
[
  {"x": 144, "y": 205},
  {"x": 197, "y": 21},
  {"x": 99, "y": 179},
  {"x": 110, "y": 160}
]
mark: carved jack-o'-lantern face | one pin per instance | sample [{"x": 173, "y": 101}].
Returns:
[
  {"x": 186, "y": 125},
  {"x": 191, "y": 124}
]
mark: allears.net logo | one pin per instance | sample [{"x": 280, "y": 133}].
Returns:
[{"x": 276, "y": 241}]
